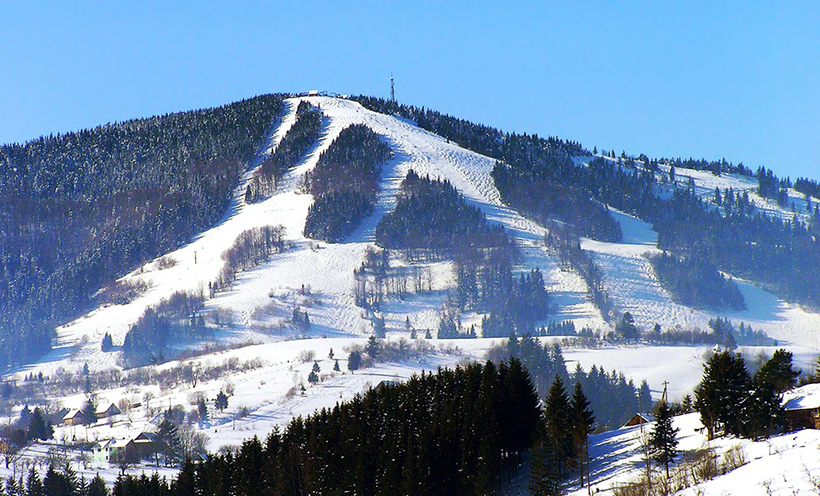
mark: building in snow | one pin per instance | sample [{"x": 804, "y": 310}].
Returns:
[
  {"x": 107, "y": 410},
  {"x": 640, "y": 418}
]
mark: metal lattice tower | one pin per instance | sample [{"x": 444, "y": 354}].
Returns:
[{"x": 392, "y": 89}]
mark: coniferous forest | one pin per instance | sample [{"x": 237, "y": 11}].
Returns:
[
  {"x": 345, "y": 182},
  {"x": 82, "y": 208},
  {"x": 301, "y": 136},
  {"x": 459, "y": 431}
]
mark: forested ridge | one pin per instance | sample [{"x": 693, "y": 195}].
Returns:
[
  {"x": 345, "y": 182},
  {"x": 80, "y": 209},
  {"x": 784, "y": 255}
]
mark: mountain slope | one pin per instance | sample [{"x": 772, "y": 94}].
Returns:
[{"x": 260, "y": 303}]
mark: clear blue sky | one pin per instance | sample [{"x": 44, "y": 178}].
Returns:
[{"x": 703, "y": 79}]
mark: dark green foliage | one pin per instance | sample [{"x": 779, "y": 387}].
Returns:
[
  {"x": 334, "y": 215},
  {"x": 778, "y": 372},
  {"x": 345, "y": 182},
  {"x": 38, "y": 427},
  {"x": 696, "y": 282},
  {"x": 626, "y": 327},
  {"x": 83, "y": 208},
  {"x": 557, "y": 431},
  {"x": 514, "y": 304},
  {"x": 431, "y": 215},
  {"x": 581, "y": 422},
  {"x": 613, "y": 398},
  {"x": 434, "y": 434},
  {"x": 221, "y": 401},
  {"x": 301, "y": 136},
  {"x": 97, "y": 487},
  {"x": 354, "y": 360},
  {"x": 664, "y": 437},
  {"x": 60, "y": 483},
  {"x": 724, "y": 386},
  {"x": 34, "y": 485},
  {"x": 107, "y": 343},
  {"x": 730, "y": 401}
]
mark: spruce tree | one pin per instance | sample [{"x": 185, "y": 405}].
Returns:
[
  {"x": 557, "y": 426},
  {"x": 664, "y": 437},
  {"x": 581, "y": 421},
  {"x": 777, "y": 372}
]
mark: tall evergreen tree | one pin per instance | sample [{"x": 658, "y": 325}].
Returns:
[
  {"x": 556, "y": 423},
  {"x": 581, "y": 422},
  {"x": 664, "y": 437}
]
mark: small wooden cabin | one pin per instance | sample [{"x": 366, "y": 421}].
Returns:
[
  {"x": 73, "y": 417},
  {"x": 640, "y": 418}
]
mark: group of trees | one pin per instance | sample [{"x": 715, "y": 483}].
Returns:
[
  {"x": 613, "y": 398},
  {"x": 178, "y": 316},
  {"x": 431, "y": 215},
  {"x": 81, "y": 209},
  {"x": 251, "y": 248},
  {"x": 561, "y": 240},
  {"x": 344, "y": 183},
  {"x": 563, "y": 444},
  {"x": 452, "y": 432},
  {"x": 730, "y": 401},
  {"x": 290, "y": 150},
  {"x": 513, "y": 304},
  {"x": 696, "y": 282},
  {"x": 785, "y": 255},
  {"x": 58, "y": 481}
]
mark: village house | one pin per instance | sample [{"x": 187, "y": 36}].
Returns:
[
  {"x": 803, "y": 409},
  {"x": 74, "y": 417},
  {"x": 107, "y": 410},
  {"x": 640, "y": 418}
]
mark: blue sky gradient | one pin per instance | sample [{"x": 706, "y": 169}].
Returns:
[{"x": 701, "y": 79}]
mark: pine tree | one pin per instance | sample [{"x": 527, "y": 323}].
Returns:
[
  {"x": 97, "y": 487},
  {"x": 39, "y": 428},
  {"x": 221, "y": 401},
  {"x": 312, "y": 377},
  {"x": 581, "y": 421},
  {"x": 724, "y": 387},
  {"x": 777, "y": 372},
  {"x": 34, "y": 486},
  {"x": 557, "y": 426},
  {"x": 336, "y": 367},
  {"x": 354, "y": 360},
  {"x": 664, "y": 438}
]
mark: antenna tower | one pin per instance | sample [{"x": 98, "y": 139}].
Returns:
[{"x": 392, "y": 89}]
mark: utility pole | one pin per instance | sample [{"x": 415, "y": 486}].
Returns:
[{"x": 663, "y": 396}]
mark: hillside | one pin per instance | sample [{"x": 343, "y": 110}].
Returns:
[{"x": 243, "y": 298}]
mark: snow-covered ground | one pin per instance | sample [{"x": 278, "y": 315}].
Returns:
[
  {"x": 317, "y": 277},
  {"x": 788, "y": 464}
]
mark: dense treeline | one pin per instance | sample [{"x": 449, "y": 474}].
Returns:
[
  {"x": 431, "y": 215},
  {"x": 79, "y": 209},
  {"x": 613, "y": 398},
  {"x": 549, "y": 196},
  {"x": 453, "y": 432},
  {"x": 696, "y": 282},
  {"x": 300, "y": 137},
  {"x": 533, "y": 181},
  {"x": 808, "y": 187},
  {"x": 345, "y": 182}
]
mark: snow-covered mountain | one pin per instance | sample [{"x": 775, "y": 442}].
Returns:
[{"x": 270, "y": 358}]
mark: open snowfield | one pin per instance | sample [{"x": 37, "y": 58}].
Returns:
[{"x": 317, "y": 277}]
